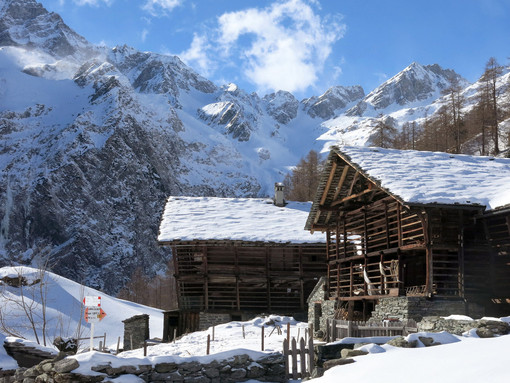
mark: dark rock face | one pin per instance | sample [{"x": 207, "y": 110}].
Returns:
[
  {"x": 335, "y": 99},
  {"x": 282, "y": 106},
  {"x": 28, "y": 23}
]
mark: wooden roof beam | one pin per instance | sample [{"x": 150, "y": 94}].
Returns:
[
  {"x": 351, "y": 197},
  {"x": 328, "y": 183}
]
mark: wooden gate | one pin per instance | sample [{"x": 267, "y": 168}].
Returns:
[{"x": 299, "y": 361}]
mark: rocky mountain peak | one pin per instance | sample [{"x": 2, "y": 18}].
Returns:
[
  {"x": 27, "y": 23},
  {"x": 282, "y": 106},
  {"x": 335, "y": 99},
  {"x": 414, "y": 85}
]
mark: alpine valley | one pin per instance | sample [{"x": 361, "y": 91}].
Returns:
[{"x": 94, "y": 139}]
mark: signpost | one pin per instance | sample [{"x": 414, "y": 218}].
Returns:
[{"x": 93, "y": 314}]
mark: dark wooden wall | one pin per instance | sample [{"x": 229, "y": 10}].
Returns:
[{"x": 238, "y": 277}]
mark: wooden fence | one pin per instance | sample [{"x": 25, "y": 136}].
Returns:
[
  {"x": 338, "y": 329},
  {"x": 299, "y": 362}
]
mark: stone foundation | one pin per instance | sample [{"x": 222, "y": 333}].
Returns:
[
  {"x": 418, "y": 307},
  {"x": 207, "y": 320}
]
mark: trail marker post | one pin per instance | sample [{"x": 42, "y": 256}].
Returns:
[{"x": 93, "y": 314}]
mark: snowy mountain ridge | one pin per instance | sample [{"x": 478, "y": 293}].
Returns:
[{"x": 95, "y": 139}]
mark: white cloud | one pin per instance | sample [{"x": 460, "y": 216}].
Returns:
[
  {"x": 281, "y": 47},
  {"x": 160, "y": 7},
  {"x": 197, "y": 54},
  {"x": 144, "y": 34}
]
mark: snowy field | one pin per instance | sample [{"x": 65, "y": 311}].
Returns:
[{"x": 460, "y": 359}]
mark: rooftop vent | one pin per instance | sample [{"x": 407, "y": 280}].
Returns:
[{"x": 279, "y": 199}]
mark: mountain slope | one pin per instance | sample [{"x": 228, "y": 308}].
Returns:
[{"x": 95, "y": 139}]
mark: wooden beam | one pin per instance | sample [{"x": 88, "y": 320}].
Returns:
[
  {"x": 341, "y": 181},
  {"x": 351, "y": 197},
  {"x": 328, "y": 183},
  {"x": 354, "y": 180}
]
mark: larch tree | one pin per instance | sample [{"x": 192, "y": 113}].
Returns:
[
  {"x": 490, "y": 77},
  {"x": 302, "y": 183}
]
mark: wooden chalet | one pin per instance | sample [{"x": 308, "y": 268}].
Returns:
[
  {"x": 414, "y": 224},
  {"x": 238, "y": 257}
]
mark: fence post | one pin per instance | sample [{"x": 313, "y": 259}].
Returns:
[
  {"x": 262, "y": 338},
  {"x": 294, "y": 359},
  {"x": 208, "y": 343},
  {"x": 286, "y": 358},
  {"x": 118, "y": 344},
  {"x": 213, "y": 333},
  {"x": 349, "y": 328},
  {"x": 302, "y": 357},
  {"x": 288, "y": 331},
  {"x": 244, "y": 337},
  {"x": 311, "y": 356},
  {"x": 144, "y": 348}
]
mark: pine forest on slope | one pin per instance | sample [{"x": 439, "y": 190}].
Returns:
[{"x": 93, "y": 139}]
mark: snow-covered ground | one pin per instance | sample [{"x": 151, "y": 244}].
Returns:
[
  {"x": 459, "y": 359},
  {"x": 64, "y": 309}
]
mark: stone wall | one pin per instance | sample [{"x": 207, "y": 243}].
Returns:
[
  {"x": 319, "y": 308},
  {"x": 212, "y": 319},
  {"x": 416, "y": 308},
  {"x": 136, "y": 331},
  {"x": 239, "y": 368}
]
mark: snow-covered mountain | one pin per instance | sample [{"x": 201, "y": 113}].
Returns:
[
  {"x": 93, "y": 140},
  {"x": 410, "y": 96}
]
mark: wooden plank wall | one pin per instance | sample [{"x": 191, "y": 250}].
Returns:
[{"x": 247, "y": 278}]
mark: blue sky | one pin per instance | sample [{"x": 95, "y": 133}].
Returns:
[{"x": 303, "y": 46}]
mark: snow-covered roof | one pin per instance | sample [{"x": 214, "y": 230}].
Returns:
[
  {"x": 434, "y": 177},
  {"x": 236, "y": 219}
]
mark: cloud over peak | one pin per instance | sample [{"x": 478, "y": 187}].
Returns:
[{"x": 283, "y": 46}]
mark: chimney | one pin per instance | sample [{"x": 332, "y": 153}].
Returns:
[{"x": 278, "y": 194}]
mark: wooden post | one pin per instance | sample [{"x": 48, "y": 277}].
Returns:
[
  {"x": 100, "y": 346},
  {"x": 286, "y": 357},
  {"x": 175, "y": 334},
  {"x": 244, "y": 335},
  {"x": 294, "y": 358},
  {"x": 104, "y": 343},
  {"x": 118, "y": 345},
  {"x": 311, "y": 356},
  {"x": 208, "y": 343},
  {"x": 288, "y": 331},
  {"x": 213, "y": 333},
  {"x": 144, "y": 348},
  {"x": 262, "y": 338},
  {"x": 302, "y": 357}
]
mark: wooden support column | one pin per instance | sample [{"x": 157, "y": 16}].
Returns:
[
  {"x": 268, "y": 280},
  {"x": 301, "y": 282},
  {"x": 238, "y": 298},
  {"x": 206, "y": 277},
  {"x": 387, "y": 225},
  {"x": 428, "y": 252},
  {"x": 365, "y": 232},
  {"x": 399, "y": 224},
  {"x": 338, "y": 240},
  {"x": 176, "y": 276},
  {"x": 345, "y": 236},
  {"x": 351, "y": 280},
  {"x": 461, "y": 254},
  {"x": 328, "y": 261}
]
